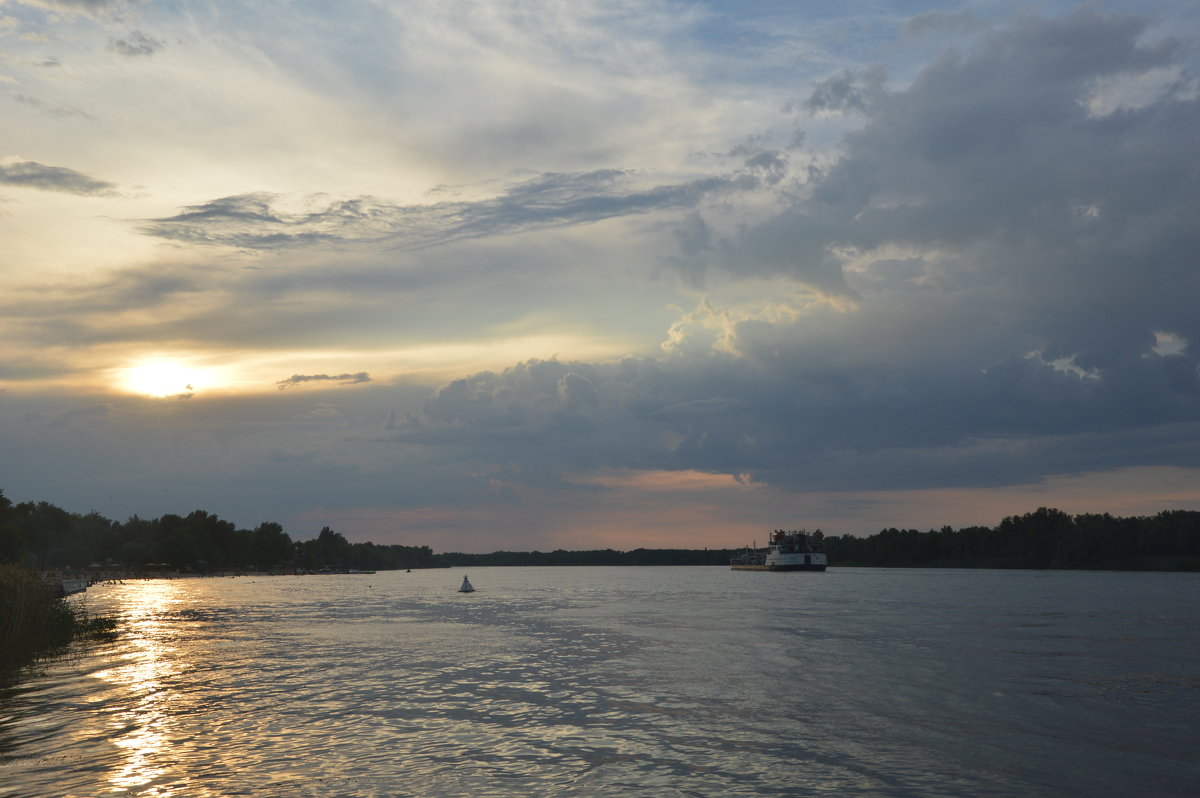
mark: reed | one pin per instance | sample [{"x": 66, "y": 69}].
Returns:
[{"x": 36, "y": 623}]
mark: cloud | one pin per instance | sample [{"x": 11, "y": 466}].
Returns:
[
  {"x": 991, "y": 177},
  {"x": 784, "y": 420},
  {"x": 257, "y": 221},
  {"x": 341, "y": 379},
  {"x": 847, "y": 91},
  {"x": 84, "y": 416},
  {"x": 91, "y": 8},
  {"x": 31, "y": 174},
  {"x": 938, "y": 21},
  {"x": 1011, "y": 261},
  {"x": 136, "y": 44},
  {"x": 54, "y": 111},
  {"x": 988, "y": 281}
]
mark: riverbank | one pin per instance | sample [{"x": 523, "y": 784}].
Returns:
[{"x": 37, "y": 623}]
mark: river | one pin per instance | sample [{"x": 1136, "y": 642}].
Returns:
[{"x": 637, "y": 681}]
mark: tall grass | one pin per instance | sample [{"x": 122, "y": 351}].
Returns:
[{"x": 35, "y": 622}]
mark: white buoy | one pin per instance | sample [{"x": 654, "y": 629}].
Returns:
[{"x": 467, "y": 587}]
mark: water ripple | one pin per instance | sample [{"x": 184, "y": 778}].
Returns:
[{"x": 640, "y": 682}]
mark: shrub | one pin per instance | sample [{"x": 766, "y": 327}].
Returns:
[{"x": 35, "y": 622}]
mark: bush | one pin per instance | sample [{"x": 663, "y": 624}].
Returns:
[{"x": 35, "y": 622}]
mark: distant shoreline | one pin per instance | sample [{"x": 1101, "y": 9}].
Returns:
[
  {"x": 1046, "y": 539},
  {"x": 50, "y": 539},
  {"x": 538, "y": 559}
]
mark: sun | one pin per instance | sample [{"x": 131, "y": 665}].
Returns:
[{"x": 161, "y": 378}]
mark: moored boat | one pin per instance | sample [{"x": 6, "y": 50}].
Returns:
[
  {"x": 787, "y": 551},
  {"x": 70, "y": 586}
]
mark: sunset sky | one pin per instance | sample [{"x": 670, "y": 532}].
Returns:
[{"x": 505, "y": 274}]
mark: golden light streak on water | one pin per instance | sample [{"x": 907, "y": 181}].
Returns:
[{"x": 142, "y": 730}]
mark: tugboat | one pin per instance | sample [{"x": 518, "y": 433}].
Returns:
[{"x": 787, "y": 551}]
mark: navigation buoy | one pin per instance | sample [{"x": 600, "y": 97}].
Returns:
[{"x": 467, "y": 587}]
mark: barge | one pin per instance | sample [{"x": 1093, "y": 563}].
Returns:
[{"x": 787, "y": 551}]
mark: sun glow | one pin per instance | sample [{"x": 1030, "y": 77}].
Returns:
[{"x": 163, "y": 378}]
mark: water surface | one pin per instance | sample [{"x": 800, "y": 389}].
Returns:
[{"x": 624, "y": 681}]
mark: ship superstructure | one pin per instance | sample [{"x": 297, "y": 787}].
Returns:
[{"x": 787, "y": 551}]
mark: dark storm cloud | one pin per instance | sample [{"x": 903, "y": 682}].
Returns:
[
  {"x": 341, "y": 379},
  {"x": 31, "y": 174},
  {"x": 1019, "y": 421},
  {"x": 254, "y": 221},
  {"x": 1045, "y": 247},
  {"x": 995, "y": 170}
]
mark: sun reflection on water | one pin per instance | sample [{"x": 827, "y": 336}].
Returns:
[{"x": 141, "y": 727}]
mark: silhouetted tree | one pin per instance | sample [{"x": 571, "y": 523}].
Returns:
[{"x": 270, "y": 546}]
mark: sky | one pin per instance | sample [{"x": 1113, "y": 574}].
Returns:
[{"x": 527, "y": 274}]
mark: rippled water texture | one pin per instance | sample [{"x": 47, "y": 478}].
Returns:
[{"x": 624, "y": 681}]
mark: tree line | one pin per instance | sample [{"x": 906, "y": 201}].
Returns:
[
  {"x": 43, "y": 536},
  {"x": 593, "y": 557},
  {"x": 1045, "y": 538}
]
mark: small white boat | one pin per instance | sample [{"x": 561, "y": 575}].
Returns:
[{"x": 467, "y": 587}]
